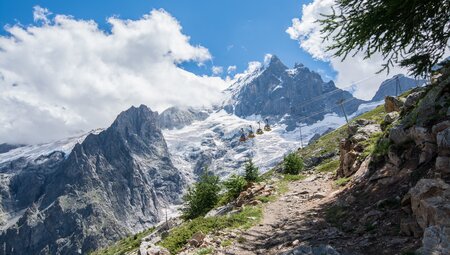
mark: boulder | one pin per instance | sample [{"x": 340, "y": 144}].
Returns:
[
  {"x": 421, "y": 135},
  {"x": 399, "y": 135},
  {"x": 443, "y": 141},
  {"x": 410, "y": 227},
  {"x": 428, "y": 151},
  {"x": 391, "y": 117},
  {"x": 222, "y": 210},
  {"x": 392, "y": 104},
  {"x": 430, "y": 202},
  {"x": 443, "y": 164},
  {"x": 436, "y": 241},
  {"x": 413, "y": 98},
  {"x": 312, "y": 250},
  {"x": 197, "y": 239}
]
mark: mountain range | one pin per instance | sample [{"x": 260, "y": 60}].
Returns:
[{"x": 79, "y": 194}]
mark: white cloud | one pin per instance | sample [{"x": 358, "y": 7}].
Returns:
[
  {"x": 68, "y": 75},
  {"x": 231, "y": 69},
  {"x": 41, "y": 14},
  {"x": 217, "y": 70},
  {"x": 350, "y": 71}
]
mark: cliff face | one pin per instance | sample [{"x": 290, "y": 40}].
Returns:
[{"x": 112, "y": 184}]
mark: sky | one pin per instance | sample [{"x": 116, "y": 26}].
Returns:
[{"x": 67, "y": 67}]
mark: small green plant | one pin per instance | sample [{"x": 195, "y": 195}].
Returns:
[
  {"x": 293, "y": 177},
  {"x": 292, "y": 163},
  {"x": 226, "y": 243},
  {"x": 202, "y": 197},
  {"x": 265, "y": 199},
  {"x": 251, "y": 172},
  {"x": 205, "y": 251},
  {"x": 328, "y": 166},
  {"x": 234, "y": 185},
  {"x": 342, "y": 181}
]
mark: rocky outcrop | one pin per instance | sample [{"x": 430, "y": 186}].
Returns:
[
  {"x": 351, "y": 148},
  {"x": 430, "y": 205},
  {"x": 176, "y": 117},
  {"x": 111, "y": 185}
]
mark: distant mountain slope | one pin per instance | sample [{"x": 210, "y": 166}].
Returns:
[
  {"x": 112, "y": 184},
  {"x": 296, "y": 94},
  {"x": 388, "y": 87},
  {"x": 177, "y": 117}
]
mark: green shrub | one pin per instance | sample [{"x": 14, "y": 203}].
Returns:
[
  {"x": 202, "y": 197},
  {"x": 234, "y": 185},
  {"x": 251, "y": 172},
  {"x": 292, "y": 163}
]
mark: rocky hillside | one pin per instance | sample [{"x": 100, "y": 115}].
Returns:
[
  {"x": 112, "y": 184},
  {"x": 275, "y": 91}
]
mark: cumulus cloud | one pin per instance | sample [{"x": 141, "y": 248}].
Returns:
[
  {"x": 68, "y": 75},
  {"x": 231, "y": 69},
  {"x": 353, "y": 70},
  {"x": 217, "y": 70}
]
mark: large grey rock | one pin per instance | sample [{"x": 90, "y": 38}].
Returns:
[
  {"x": 436, "y": 241},
  {"x": 111, "y": 185},
  {"x": 392, "y": 104},
  {"x": 312, "y": 250},
  {"x": 399, "y": 135},
  {"x": 413, "y": 98},
  {"x": 430, "y": 202}
]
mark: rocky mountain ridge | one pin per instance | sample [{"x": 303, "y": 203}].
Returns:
[{"x": 112, "y": 184}]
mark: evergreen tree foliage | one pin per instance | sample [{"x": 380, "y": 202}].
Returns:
[
  {"x": 202, "y": 197},
  {"x": 292, "y": 163},
  {"x": 234, "y": 185},
  {"x": 251, "y": 172},
  {"x": 412, "y": 33}
]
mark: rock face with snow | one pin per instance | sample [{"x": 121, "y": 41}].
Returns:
[
  {"x": 176, "y": 117},
  {"x": 112, "y": 184},
  {"x": 296, "y": 94},
  {"x": 388, "y": 87}
]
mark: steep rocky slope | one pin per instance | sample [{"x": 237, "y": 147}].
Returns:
[{"x": 112, "y": 184}]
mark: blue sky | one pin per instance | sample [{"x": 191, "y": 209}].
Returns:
[{"x": 235, "y": 32}]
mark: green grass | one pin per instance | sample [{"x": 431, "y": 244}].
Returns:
[
  {"x": 125, "y": 245},
  {"x": 293, "y": 177},
  {"x": 179, "y": 236},
  {"x": 265, "y": 199},
  {"x": 376, "y": 114},
  {"x": 226, "y": 243},
  {"x": 205, "y": 251},
  {"x": 330, "y": 165},
  {"x": 282, "y": 187},
  {"x": 342, "y": 181}
]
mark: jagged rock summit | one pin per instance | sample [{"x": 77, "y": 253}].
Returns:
[
  {"x": 112, "y": 184},
  {"x": 276, "y": 91}
]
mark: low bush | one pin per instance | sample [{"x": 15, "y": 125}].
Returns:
[
  {"x": 234, "y": 185},
  {"x": 292, "y": 164}
]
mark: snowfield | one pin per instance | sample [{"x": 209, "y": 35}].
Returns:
[{"x": 214, "y": 142}]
